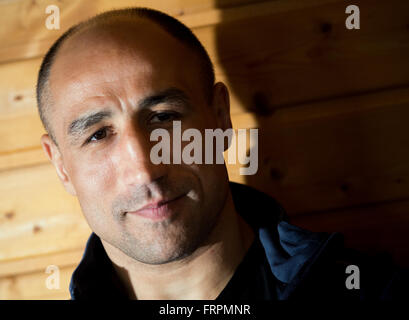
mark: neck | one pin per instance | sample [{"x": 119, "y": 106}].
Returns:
[{"x": 200, "y": 276}]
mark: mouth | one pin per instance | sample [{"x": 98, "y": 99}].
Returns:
[{"x": 158, "y": 210}]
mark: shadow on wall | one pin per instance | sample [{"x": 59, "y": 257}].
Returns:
[{"x": 299, "y": 72}]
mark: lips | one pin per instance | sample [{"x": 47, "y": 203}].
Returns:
[{"x": 157, "y": 210}]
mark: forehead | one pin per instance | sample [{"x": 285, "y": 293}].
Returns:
[{"x": 122, "y": 57}]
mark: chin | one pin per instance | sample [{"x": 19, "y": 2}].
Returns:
[
  {"x": 162, "y": 258},
  {"x": 157, "y": 250}
]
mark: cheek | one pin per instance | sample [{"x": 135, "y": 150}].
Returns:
[{"x": 93, "y": 180}]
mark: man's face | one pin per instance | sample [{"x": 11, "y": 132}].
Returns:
[{"x": 110, "y": 89}]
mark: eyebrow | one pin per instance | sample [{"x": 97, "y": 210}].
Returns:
[
  {"x": 171, "y": 96},
  {"x": 80, "y": 125}
]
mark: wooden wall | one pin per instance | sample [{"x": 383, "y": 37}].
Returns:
[{"x": 331, "y": 105}]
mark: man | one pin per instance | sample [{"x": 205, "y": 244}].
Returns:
[{"x": 168, "y": 231}]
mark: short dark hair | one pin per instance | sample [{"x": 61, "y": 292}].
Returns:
[{"x": 173, "y": 26}]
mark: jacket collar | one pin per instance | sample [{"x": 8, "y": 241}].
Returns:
[{"x": 290, "y": 250}]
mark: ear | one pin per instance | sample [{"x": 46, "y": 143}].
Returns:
[
  {"x": 54, "y": 155},
  {"x": 221, "y": 105}
]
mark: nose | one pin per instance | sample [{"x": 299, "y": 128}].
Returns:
[{"x": 132, "y": 158}]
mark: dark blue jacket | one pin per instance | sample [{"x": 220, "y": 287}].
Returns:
[{"x": 306, "y": 265}]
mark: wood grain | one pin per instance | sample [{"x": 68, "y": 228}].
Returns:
[
  {"x": 333, "y": 154},
  {"x": 37, "y": 216},
  {"x": 40, "y": 263},
  {"x": 24, "y": 34},
  {"x": 32, "y": 286},
  {"x": 295, "y": 56}
]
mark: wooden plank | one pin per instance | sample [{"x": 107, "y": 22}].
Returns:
[
  {"x": 21, "y": 135},
  {"x": 20, "y": 125},
  {"x": 18, "y": 158},
  {"x": 38, "y": 220},
  {"x": 24, "y": 34},
  {"x": 32, "y": 286},
  {"x": 382, "y": 227},
  {"x": 245, "y": 11},
  {"x": 17, "y": 87},
  {"x": 302, "y": 55},
  {"x": 334, "y": 153},
  {"x": 40, "y": 263}
]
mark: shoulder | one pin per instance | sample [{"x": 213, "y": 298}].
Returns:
[{"x": 310, "y": 265}]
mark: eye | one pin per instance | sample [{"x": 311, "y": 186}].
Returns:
[
  {"x": 98, "y": 135},
  {"x": 160, "y": 117}
]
